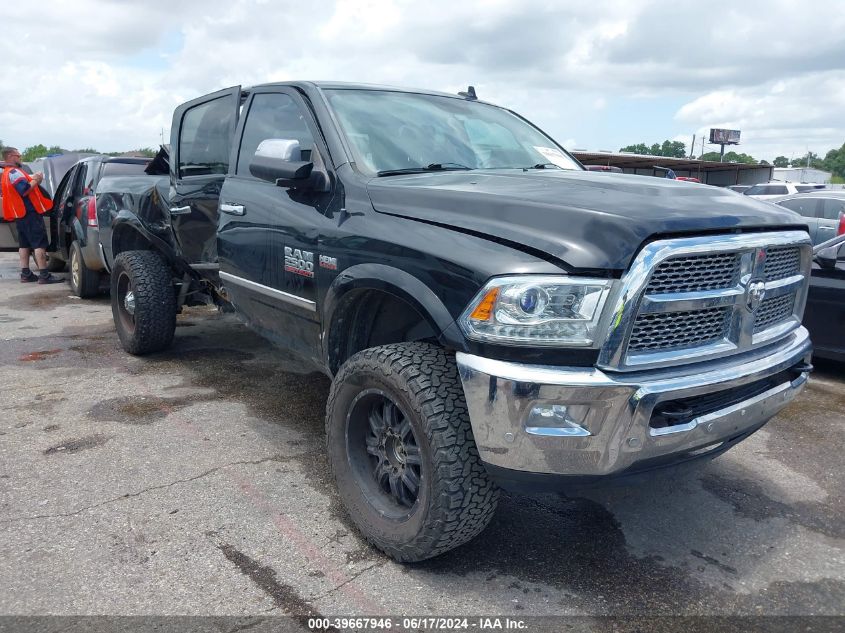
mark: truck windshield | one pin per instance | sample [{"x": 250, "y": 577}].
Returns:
[{"x": 395, "y": 132}]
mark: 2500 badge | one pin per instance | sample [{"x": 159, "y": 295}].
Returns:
[{"x": 299, "y": 262}]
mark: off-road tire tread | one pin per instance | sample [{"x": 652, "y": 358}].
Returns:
[
  {"x": 463, "y": 498},
  {"x": 155, "y": 296},
  {"x": 89, "y": 280}
]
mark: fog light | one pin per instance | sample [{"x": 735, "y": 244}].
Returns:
[{"x": 557, "y": 420}]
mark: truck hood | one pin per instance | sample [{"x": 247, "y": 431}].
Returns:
[{"x": 587, "y": 220}]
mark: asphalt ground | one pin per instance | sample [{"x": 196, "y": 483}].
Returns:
[{"x": 194, "y": 482}]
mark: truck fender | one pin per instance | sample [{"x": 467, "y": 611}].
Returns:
[
  {"x": 78, "y": 231},
  {"x": 127, "y": 221},
  {"x": 401, "y": 284}
]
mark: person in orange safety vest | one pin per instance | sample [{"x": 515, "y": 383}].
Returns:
[{"x": 25, "y": 204}]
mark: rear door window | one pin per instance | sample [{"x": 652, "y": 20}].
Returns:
[
  {"x": 805, "y": 206},
  {"x": 124, "y": 169},
  {"x": 832, "y": 208},
  {"x": 767, "y": 190},
  {"x": 204, "y": 138}
]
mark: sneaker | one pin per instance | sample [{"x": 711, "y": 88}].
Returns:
[
  {"x": 31, "y": 276},
  {"x": 49, "y": 279}
]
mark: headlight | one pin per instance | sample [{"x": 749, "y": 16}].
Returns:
[{"x": 536, "y": 310}]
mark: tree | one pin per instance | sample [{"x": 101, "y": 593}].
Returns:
[
  {"x": 781, "y": 161},
  {"x": 730, "y": 157},
  {"x": 39, "y": 151},
  {"x": 673, "y": 149},
  {"x": 810, "y": 158},
  {"x": 834, "y": 162}
]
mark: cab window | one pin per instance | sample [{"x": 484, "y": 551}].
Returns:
[{"x": 272, "y": 115}]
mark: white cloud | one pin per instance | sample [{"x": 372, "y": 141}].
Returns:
[
  {"x": 778, "y": 117},
  {"x": 108, "y": 73}
]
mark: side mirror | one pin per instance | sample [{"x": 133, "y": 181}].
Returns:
[
  {"x": 829, "y": 253},
  {"x": 280, "y": 161}
]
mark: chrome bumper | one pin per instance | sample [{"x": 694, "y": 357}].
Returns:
[{"x": 609, "y": 428}]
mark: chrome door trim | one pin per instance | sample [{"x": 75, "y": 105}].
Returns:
[
  {"x": 267, "y": 291},
  {"x": 180, "y": 210}
]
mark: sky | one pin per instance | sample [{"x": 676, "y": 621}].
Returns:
[{"x": 595, "y": 75}]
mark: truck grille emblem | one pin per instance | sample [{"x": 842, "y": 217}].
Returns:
[{"x": 754, "y": 295}]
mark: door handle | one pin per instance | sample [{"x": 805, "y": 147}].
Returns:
[
  {"x": 826, "y": 228},
  {"x": 180, "y": 210},
  {"x": 232, "y": 209}
]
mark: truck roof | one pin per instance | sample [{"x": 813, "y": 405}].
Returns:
[{"x": 343, "y": 85}]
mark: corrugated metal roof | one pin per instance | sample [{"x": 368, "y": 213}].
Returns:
[{"x": 645, "y": 161}]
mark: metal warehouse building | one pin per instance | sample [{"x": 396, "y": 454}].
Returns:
[{"x": 708, "y": 172}]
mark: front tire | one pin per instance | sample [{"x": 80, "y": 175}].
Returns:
[
  {"x": 143, "y": 302},
  {"x": 402, "y": 452},
  {"x": 84, "y": 282}
]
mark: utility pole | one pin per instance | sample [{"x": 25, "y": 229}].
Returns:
[
  {"x": 702, "y": 147},
  {"x": 692, "y": 147}
]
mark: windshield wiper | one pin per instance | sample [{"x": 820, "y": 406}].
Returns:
[
  {"x": 422, "y": 170},
  {"x": 542, "y": 166}
]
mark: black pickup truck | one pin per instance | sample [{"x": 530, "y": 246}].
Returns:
[{"x": 490, "y": 312}]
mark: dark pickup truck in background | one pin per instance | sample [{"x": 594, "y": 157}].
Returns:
[
  {"x": 490, "y": 312},
  {"x": 76, "y": 239},
  {"x": 825, "y": 313}
]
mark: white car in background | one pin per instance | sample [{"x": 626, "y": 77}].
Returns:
[{"x": 771, "y": 190}]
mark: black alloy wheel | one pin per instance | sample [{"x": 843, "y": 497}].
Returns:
[{"x": 383, "y": 449}]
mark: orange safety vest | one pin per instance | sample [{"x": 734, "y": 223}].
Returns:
[{"x": 13, "y": 205}]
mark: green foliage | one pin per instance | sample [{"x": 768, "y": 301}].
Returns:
[
  {"x": 85, "y": 150},
  {"x": 39, "y": 151},
  {"x": 781, "y": 161},
  {"x": 834, "y": 162},
  {"x": 672, "y": 149},
  {"x": 730, "y": 157},
  {"x": 810, "y": 159}
]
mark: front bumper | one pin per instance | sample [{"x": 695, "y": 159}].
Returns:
[{"x": 614, "y": 411}]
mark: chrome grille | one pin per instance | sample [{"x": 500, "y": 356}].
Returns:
[
  {"x": 676, "y": 330},
  {"x": 691, "y": 274},
  {"x": 782, "y": 263},
  {"x": 773, "y": 311},
  {"x": 688, "y": 299}
]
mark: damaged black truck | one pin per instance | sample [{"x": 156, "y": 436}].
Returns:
[{"x": 491, "y": 314}]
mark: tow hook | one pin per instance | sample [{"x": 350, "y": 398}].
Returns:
[{"x": 801, "y": 368}]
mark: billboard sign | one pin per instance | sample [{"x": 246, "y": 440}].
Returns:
[{"x": 724, "y": 137}]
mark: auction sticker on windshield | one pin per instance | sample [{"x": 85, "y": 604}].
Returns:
[{"x": 555, "y": 156}]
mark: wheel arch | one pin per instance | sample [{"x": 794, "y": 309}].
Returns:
[
  {"x": 405, "y": 304},
  {"x": 128, "y": 234}
]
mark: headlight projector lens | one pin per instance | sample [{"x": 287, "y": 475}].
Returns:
[{"x": 533, "y": 301}]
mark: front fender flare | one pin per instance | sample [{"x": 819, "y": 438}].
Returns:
[{"x": 402, "y": 285}]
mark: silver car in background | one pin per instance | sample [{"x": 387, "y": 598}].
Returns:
[{"x": 824, "y": 211}]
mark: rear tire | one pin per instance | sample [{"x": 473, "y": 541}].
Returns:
[
  {"x": 401, "y": 448},
  {"x": 143, "y": 302},
  {"x": 84, "y": 282}
]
